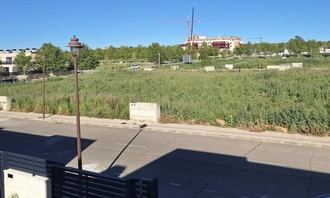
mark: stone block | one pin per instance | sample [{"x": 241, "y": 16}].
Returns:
[{"x": 141, "y": 111}]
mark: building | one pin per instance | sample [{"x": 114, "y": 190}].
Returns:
[
  {"x": 324, "y": 51},
  {"x": 229, "y": 43},
  {"x": 7, "y": 58}
]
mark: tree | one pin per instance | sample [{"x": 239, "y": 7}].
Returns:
[
  {"x": 297, "y": 45},
  {"x": 23, "y": 62},
  {"x": 238, "y": 51},
  {"x": 153, "y": 50},
  {"x": 88, "y": 58},
  {"x": 205, "y": 52},
  {"x": 51, "y": 57}
]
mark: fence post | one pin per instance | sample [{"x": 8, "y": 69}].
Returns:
[
  {"x": 154, "y": 188},
  {"x": 131, "y": 190},
  {"x": 2, "y": 164}
]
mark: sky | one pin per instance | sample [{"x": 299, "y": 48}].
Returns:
[{"x": 101, "y": 23}]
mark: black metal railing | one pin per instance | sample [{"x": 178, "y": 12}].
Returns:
[
  {"x": 74, "y": 183},
  {"x": 70, "y": 182},
  {"x": 2, "y": 161}
]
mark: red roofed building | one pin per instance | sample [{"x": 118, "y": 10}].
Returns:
[{"x": 229, "y": 43}]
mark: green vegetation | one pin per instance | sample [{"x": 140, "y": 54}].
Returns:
[
  {"x": 296, "y": 100},
  {"x": 23, "y": 62},
  {"x": 54, "y": 59}
]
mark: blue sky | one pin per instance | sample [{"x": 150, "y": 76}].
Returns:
[{"x": 100, "y": 23}]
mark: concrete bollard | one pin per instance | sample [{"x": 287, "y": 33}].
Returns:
[
  {"x": 141, "y": 111},
  {"x": 5, "y": 103}
]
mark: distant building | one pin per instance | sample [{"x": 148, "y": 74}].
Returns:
[
  {"x": 325, "y": 51},
  {"x": 229, "y": 43},
  {"x": 7, "y": 58}
]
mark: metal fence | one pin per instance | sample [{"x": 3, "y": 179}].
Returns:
[
  {"x": 73, "y": 183},
  {"x": 2, "y": 161}
]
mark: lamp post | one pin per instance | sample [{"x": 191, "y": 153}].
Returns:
[
  {"x": 43, "y": 92},
  {"x": 75, "y": 46}
]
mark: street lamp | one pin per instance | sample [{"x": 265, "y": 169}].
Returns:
[{"x": 75, "y": 46}]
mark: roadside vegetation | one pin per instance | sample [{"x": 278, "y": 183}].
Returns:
[
  {"x": 291, "y": 101},
  {"x": 255, "y": 99}
]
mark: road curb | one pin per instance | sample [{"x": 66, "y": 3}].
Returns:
[{"x": 209, "y": 131}]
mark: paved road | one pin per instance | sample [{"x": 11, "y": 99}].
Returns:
[{"x": 186, "y": 165}]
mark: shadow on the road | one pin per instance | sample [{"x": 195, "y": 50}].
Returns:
[
  {"x": 187, "y": 173},
  {"x": 55, "y": 148}
]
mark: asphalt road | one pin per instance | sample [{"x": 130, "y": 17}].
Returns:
[{"x": 186, "y": 165}]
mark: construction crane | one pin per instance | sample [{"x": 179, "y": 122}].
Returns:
[{"x": 189, "y": 24}]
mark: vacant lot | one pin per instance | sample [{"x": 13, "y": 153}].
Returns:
[{"x": 294, "y": 101}]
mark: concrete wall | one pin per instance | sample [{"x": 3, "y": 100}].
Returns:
[
  {"x": 26, "y": 185},
  {"x": 140, "y": 111},
  {"x": 209, "y": 68},
  {"x": 5, "y": 103}
]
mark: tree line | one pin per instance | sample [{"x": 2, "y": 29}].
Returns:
[
  {"x": 55, "y": 59},
  {"x": 296, "y": 45}
]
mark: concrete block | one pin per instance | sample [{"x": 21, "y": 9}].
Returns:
[
  {"x": 149, "y": 69},
  {"x": 22, "y": 77},
  {"x": 26, "y": 185},
  {"x": 229, "y": 66},
  {"x": 5, "y": 103},
  {"x": 209, "y": 68},
  {"x": 279, "y": 67},
  {"x": 297, "y": 65},
  {"x": 175, "y": 67},
  {"x": 141, "y": 111},
  {"x": 284, "y": 67},
  {"x": 276, "y": 67}
]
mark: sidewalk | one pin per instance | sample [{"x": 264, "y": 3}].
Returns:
[{"x": 268, "y": 136}]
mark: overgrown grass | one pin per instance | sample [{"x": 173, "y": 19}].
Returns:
[{"x": 296, "y": 100}]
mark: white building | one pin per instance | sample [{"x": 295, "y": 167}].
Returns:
[
  {"x": 325, "y": 51},
  {"x": 229, "y": 43},
  {"x": 7, "y": 58}
]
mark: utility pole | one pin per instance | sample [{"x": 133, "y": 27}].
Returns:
[{"x": 159, "y": 59}]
